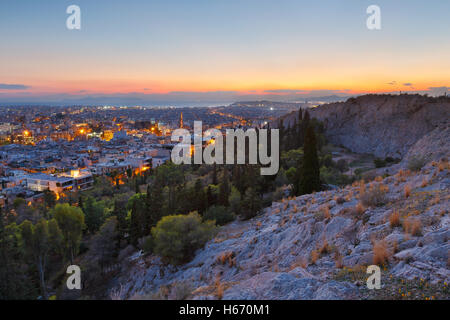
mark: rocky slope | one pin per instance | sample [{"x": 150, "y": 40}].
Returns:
[
  {"x": 385, "y": 125},
  {"x": 317, "y": 247}
]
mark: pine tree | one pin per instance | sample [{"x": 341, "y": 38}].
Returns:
[
  {"x": 309, "y": 170},
  {"x": 199, "y": 196},
  {"x": 210, "y": 198},
  {"x": 138, "y": 220},
  {"x": 251, "y": 204},
  {"x": 120, "y": 213},
  {"x": 224, "y": 189},
  {"x": 71, "y": 222},
  {"x": 269, "y": 140},
  {"x": 155, "y": 203},
  {"x": 80, "y": 202},
  {"x": 15, "y": 281},
  {"x": 281, "y": 134},
  {"x": 306, "y": 116},
  {"x": 136, "y": 185},
  {"x": 93, "y": 214},
  {"x": 134, "y": 225},
  {"x": 214, "y": 177}
]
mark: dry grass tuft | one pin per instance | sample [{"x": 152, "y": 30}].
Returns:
[
  {"x": 227, "y": 257},
  {"x": 314, "y": 256},
  {"x": 402, "y": 174},
  {"x": 380, "y": 253},
  {"x": 435, "y": 200},
  {"x": 362, "y": 187},
  {"x": 301, "y": 262},
  {"x": 424, "y": 183},
  {"x": 349, "y": 196},
  {"x": 219, "y": 288},
  {"x": 276, "y": 211},
  {"x": 407, "y": 191},
  {"x": 339, "y": 200},
  {"x": 394, "y": 219},
  {"x": 443, "y": 165},
  {"x": 338, "y": 259},
  {"x": 359, "y": 209},
  {"x": 325, "y": 247},
  {"x": 412, "y": 226},
  {"x": 326, "y": 212},
  {"x": 375, "y": 196}
]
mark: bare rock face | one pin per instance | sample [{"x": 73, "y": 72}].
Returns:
[
  {"x": 384, "y": 125},
  {"x": 435, "y": 145},
  {"x": 315, "y": 247}
]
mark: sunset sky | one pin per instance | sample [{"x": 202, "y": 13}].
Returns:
[{"x": 158, "y": 51}]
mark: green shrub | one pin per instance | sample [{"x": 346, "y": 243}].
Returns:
[
  {"x": 342, "y": 165},
  {"x": 333, "y": 176},
  {"x": 416, "y": 163},
  {"x": 278, "y": 194},
  {"x": 251, "y": 204},
  {"x": 375, "y": 197},
  {"x": 177, "y": 237},
  {"x": 234, "y": 199},
  {"x": 379, "y": 163},
  {"x": 148, "y": 244},
  {"x": 392, "y": 160},
  {"x": 219, "y": 214}
]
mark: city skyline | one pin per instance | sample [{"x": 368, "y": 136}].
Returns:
[{"x": 152, "y": 52}]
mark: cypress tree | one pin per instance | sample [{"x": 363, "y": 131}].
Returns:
[
  {"x": 214, "y": 178},
  {"x": 210, "y": 199},
  {"x": 155, "y": 203},
  {"x": 309, "y": 170},
  {"x": 224, "y": 189},
  {"x": 121, "y": 214},
  {"x": 199, "y": 196}
]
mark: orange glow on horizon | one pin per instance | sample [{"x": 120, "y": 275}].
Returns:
[{"x": 348, "y": 88}]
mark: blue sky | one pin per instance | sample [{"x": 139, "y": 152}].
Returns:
[{"x": 153, "y": 48}]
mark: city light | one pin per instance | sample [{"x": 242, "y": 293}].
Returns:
[{"x": 75, "y": 173}]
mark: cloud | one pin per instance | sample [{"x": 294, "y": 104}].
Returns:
[
  {"x": 5, "y": 86},
  {"x": 408, "y": 84},
  {"x": 392, "y": 83}
]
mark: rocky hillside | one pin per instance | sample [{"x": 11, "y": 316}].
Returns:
[
  {"x": 317, "y": 246},
  {"x": 387, "y": 125}
]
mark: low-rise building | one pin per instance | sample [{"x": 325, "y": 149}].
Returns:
[{"x": 76, "y": 180}]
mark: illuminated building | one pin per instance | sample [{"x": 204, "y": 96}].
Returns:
[
  {"x": 181, "y": 120},
  {"x": 76, "y": 180},
  {"x": 107, "y": 135}
]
